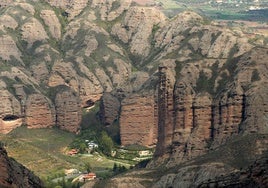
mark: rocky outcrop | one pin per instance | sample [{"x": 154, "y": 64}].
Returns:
[
  {"x": 201, "y": 120},
  {"x": 10, "y": 110},
  {"x": 109, "y": 109},
  {"x": 52, "y": 21},
  {"x": 39, "y": 112},
  {"x": 110, "y": 9},
  {"x": 68, "y": 110},
  {"x": 33, "y": 31},
  {"x": 8, "y": 22},
  {"x": 138, "y": 120},
  {"x": 191, "y": 176},
  {"x": 9, "y": 48},
  {"x": 210, "y": 79},
  {"x": 165, "y": 109},
  {"x": 13, "y": 174},
  {"x": 253, "y": 176},
  {"x": 136, "y": 29},
  {"x": 72, "y": 8}
]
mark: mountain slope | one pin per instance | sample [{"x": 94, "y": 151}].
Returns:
[
  {"x": 13, "y": 174},
  {"x": 182, "y": 84}
]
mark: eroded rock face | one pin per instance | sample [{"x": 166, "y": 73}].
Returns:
[
  {"x": 253, "y": 176},
  {"x": 191, "y": 176},
  {"x": 111, "y": 9},
  {"x": 136, "y": 28},
  {"x": 33, "y": 31},
  {"x": 52, "y": 21},
  {"x": 8, "y": 48},
  {"x": 68, "y": 110},
  {"x": 138, "y": 120},
  {"x": 10, "y": 112},
  {"x": 209, "y": 89},
  {"x": 109, "y": 109},
  {"x": 200, "y": 121},
  {"x": 13, "y": 174},
  {"x": 72, "y": 8},
  {"x": 39, "y": 112}
]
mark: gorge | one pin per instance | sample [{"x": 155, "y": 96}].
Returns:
[{"x": 184, "y": 85}]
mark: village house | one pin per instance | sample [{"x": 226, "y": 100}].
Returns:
[
  {"x": 73, "y": 152},
  {"x": 145, "y": 153},
  {"x": 85, "y": 177}
]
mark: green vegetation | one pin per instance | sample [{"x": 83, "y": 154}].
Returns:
[
  {"x": 231, "y": 10},
  {"x": 255, "y": 76},
  {"x": 41, "y": 150},
  {"x": 115, "y": 5},
  {"x": 44, "y": 151}
]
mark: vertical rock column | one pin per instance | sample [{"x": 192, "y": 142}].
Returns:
[
  {"x": 137, "y": 120},
  {"x": 40, "y": 113},
  {"x": 184, "y": 96},
  {"x": 201, "y": 131},
  {"x": 228, "y": 115},
  {"x": 68, "y": 111},
  {"x": 165, "y": 111}
]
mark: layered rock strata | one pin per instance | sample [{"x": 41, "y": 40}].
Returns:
[
  {"x": 198, "y": 122},
  {"x": 109, "y": 109},
  {"x": 68, "y": 110},
  {"x": 39, "y": 112},
  {"x": 138, "y": 121}
]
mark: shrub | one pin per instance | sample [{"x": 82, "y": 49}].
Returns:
[{"x": 255, "y": 76}]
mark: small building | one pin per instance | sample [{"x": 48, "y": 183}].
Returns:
[
  {"x": 92, "y": 145},
  {"x": 85, "y": 177},
  {"x": 145, "y": 153},
  {"x": 90, "y": 176},
  {"x": 73, "y": 152}
]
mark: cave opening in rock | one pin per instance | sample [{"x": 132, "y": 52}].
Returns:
[
  {"x": 10, "y": 118},
  {"x": 89, "y": 103}
]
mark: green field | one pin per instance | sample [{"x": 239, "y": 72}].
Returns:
[
  {"x": 44, "y": 152},
  {"x": 227, "y": 11}
]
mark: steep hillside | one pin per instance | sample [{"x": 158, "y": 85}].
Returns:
[
  {"x": 183, "y": 85},
  {"x": 13, "y": 174}
]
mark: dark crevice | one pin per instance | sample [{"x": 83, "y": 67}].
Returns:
[
  {"x": 10, "y": 118},
  {"x": 89, "y": 103}
]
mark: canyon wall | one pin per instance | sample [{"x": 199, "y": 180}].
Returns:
[
  {"x": 138, "y": 121},
  {"x": 199, "y": 122},
  {"x": 184, "y": 81}
]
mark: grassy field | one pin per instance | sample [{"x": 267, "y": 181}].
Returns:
[
  {"x": 226, "y": 12},
  {"x": 44, "y": 152}
]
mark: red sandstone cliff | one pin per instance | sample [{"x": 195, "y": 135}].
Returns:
[
  {"x": 198, "y": 122},
  {"x": 138, "y": 120}
]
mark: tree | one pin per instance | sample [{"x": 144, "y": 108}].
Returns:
[
  {"x": 88, "y": 167},
  {"x": 82, "y": 147},
  {"x": 106, "y": 143},
  {"x": 115, "y": 167}
]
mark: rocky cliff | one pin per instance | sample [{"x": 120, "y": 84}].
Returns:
[
  {"x": 183, "y": 84},
  {"x": 198, "y": 84},
  {"x": 13, "y": 174},
  {"x": 200, "y": 121},
  {"x": 138, "y": 122}
]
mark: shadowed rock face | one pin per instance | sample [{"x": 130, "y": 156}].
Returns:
[
  {"x": 109, "y": 109},
  {"x": 68, "y": 110},
  {"x": 13, "y": 174}
]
